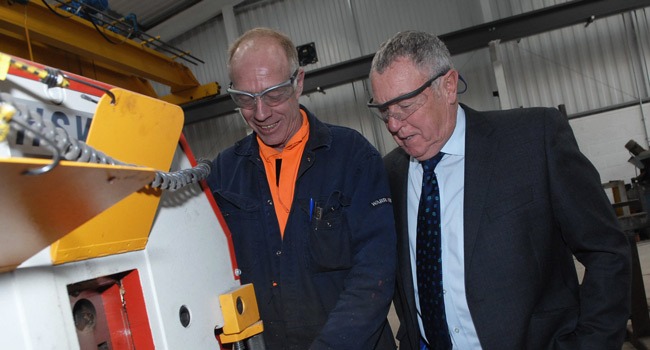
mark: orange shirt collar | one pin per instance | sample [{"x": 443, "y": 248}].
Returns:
[{"x": 301, "y": 135}]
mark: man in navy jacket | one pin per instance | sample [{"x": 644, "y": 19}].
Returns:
[{"x": 309, "y": 209}]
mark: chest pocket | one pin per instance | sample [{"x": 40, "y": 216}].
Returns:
[
  {"x": 329, "y": 234},
  {"x": 510, "y": 201},
  {"x": 242, "y": 214},
  {"x": 235, "y": 205}
]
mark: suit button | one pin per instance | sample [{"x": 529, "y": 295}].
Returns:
[{"x": 278, "y": 253}]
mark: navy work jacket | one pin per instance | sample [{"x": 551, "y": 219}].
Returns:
[{"x": 328, "y": 284}]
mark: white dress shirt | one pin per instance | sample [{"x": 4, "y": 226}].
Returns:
[{"x": 451, "y": 178}]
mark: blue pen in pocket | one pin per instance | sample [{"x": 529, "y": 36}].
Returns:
[{"x": 311, "y": 208}]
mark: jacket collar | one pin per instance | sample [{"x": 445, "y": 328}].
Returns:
[{"x": 481, "y": 151}]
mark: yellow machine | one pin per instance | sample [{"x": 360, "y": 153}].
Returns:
[{"x": 110, "y": 238}]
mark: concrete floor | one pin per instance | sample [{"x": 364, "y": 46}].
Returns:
[{"x": 644, "y": 259}]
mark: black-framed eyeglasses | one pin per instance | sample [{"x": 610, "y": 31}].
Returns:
[
  {"x": 407, "y": 103},
  {"x": 271, "y": 96}
]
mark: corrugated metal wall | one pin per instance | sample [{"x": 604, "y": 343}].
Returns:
[
  {"x": 582, "y": 67},
  {"x": 341, "y": 30},
  {"x": 208, "y": 42}
]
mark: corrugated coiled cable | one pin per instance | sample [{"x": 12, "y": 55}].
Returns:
[
  {"x": 72, "y": 149},
  {"x": 178, "y": 179}
]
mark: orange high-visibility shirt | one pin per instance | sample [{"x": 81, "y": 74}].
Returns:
[{"x": 283, "y": 182}]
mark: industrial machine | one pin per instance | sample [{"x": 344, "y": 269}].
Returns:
[{"x": 109, "y": 237}]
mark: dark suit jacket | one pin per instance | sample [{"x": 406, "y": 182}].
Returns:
[{"x": 532, "y": 199}]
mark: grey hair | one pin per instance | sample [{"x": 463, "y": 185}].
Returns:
[{"x": 425, "y": 50}]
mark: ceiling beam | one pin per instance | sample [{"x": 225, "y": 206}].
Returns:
[
  {"x": 15, "y": 45},
  {"x": 458, "y": 42},
  {"x": 75, "y": 35},
  {"x": 536, "y": 22},
  {"x": 189, "y": 18}
]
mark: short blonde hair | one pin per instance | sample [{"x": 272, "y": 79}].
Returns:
[{"x": 283, "y": 40}]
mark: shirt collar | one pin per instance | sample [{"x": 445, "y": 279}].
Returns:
[
  {"x": 456, "y": 143},
  {"x": 299, "y": 137}
]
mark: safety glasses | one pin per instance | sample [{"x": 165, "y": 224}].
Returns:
[
  {"x": 406, "y": 104},
  {"x": 271, "y": 96}
]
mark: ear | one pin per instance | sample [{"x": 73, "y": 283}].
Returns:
[
  {"x": 450, "y": 86},
  {"x": 300, "y": 79}
]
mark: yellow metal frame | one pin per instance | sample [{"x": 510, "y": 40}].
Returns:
[
  {"x": 193, "y": 94},
  {"x": 39, "y": 28},
  {"x": 37, "y": 210},
  {"x": 138, "y": 130},
  {"x": 241, "y": 315}
]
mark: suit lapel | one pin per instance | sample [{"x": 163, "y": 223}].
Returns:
[
  {"x": 480, "y": 152},
  {"x": 399, "y": 182},
  {"x": 398, "y": 174}
]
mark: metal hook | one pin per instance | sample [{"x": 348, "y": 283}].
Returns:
[
  {"x": 56, "y": 159},
  {"x": 87, "y": 83}
]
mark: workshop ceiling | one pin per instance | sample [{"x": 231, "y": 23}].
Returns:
[
  {"x": 152, "y": 13},
  {"x": 70, "y": 42}
]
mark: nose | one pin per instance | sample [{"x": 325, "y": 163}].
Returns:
[
  {"x": 393, "y": 125},
  {"x": 262, "y": 111}
]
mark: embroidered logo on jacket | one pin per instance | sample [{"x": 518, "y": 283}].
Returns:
[{"x": 385, "y": 200}]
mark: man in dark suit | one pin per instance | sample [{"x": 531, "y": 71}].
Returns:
[{"x": 517, "y": 200}]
